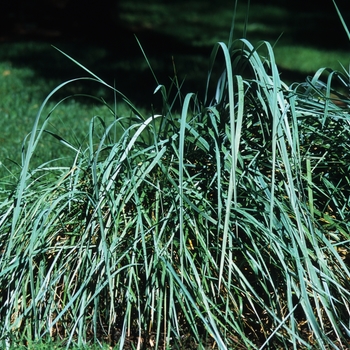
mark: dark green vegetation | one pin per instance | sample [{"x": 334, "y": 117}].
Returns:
[
  {"x": 30, "y": 69},
  {"x": 219, "y": 223}
]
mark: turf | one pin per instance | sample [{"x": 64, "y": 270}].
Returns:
[{"x": 29, "y": 69}]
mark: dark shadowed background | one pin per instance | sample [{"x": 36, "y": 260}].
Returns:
[{"x": 101, "y": 35}]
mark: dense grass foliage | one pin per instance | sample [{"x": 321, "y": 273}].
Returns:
[{"x": 225, "y": 226}]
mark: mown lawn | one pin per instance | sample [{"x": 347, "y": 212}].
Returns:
[{"x": 177, "y": 46}]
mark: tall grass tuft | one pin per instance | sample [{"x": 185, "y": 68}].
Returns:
[{"x": 224, "y": 226}]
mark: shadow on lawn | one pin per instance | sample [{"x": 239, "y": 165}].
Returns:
[
  {"x": 121, "y": 64},
  {"x": 107, "y": 46},
  {"x": 100, "y": 43}
]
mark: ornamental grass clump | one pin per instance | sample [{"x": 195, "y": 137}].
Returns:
[{"x": 224, "y": 226}]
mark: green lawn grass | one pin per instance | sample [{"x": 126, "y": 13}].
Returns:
[
  {"x": 29, "y": 70},
  {"x": 298, "y": 48},
  {"x": 23, "y": 91}
]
